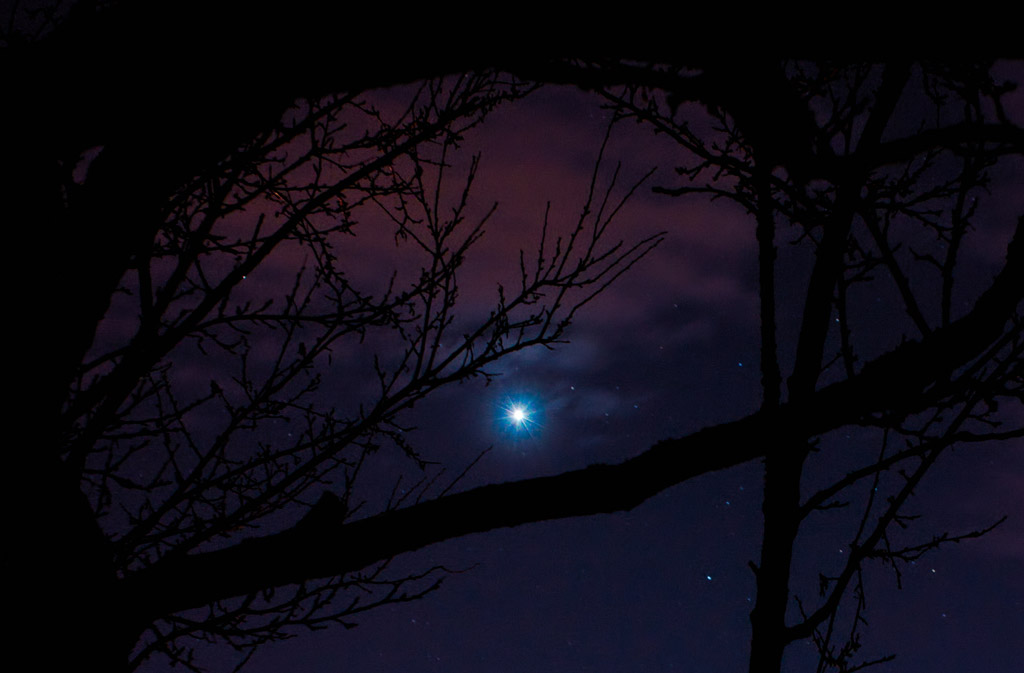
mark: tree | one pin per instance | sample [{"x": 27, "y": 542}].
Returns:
[
  {"x": 859, "y": 205},
  {"x": 179, "y": 532}
]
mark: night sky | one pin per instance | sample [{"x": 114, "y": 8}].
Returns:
[{"x": 671, "y": 347}]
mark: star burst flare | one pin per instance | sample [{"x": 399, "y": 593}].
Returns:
[{"x": 520, "y": 416}]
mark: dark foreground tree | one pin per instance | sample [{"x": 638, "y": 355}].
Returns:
[
  {"x": 198, "y": 243},
  {"x": 885, "y": 202}
]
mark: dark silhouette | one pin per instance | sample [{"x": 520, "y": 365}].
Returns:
[{"x": 812, "y": 151}]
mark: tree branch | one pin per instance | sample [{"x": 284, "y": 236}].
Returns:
[{"x": 330, "y": 547}]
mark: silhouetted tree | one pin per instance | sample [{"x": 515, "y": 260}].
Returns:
[
  {"x": 226, "y": 355},
  {"x": 177, "y": 508},
  {"x": 818, "y": 155}
]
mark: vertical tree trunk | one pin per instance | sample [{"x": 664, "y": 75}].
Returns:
[{"x": 781, "y": 522}]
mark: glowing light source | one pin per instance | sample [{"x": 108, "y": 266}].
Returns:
[{"x": 520, "y": 416}]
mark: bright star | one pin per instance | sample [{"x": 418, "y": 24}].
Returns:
[{"x": 520, "y": 416}]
